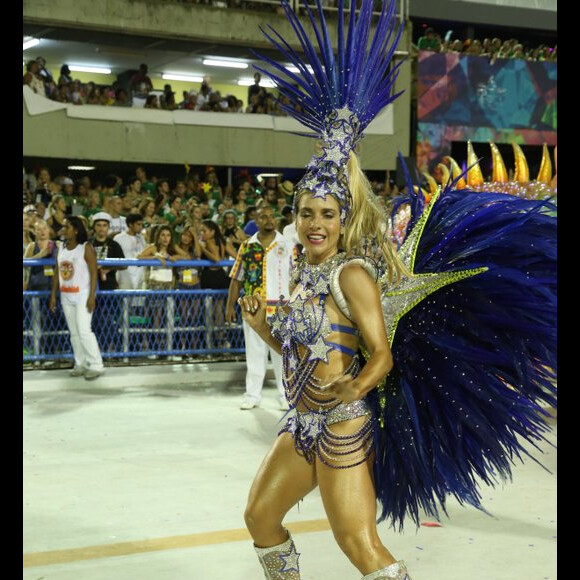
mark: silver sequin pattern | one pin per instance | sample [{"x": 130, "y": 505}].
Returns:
[{"x": 280, "y": 562}]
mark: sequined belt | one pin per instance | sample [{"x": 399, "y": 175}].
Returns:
[
  {"x": 342, "y": 412},
  {"x": 312, "y": 436}
]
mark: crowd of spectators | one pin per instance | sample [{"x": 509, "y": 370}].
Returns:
[
  {"x": 493, "y": 48},
  {"x": 140, "y": 93},
  {"x": 188, "y": 206}
]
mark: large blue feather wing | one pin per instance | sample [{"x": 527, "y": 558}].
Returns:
[{"x": 475, "y": 359}]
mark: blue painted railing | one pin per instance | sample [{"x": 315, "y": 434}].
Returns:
[{"x": 136, "y": 323}]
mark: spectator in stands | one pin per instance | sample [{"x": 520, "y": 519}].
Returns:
[
  {"x": 46, "y": 76},
  {"x": 27, "y": 231},
  {"x": 122, "y": 98},
  {"x": 188, "y": 279},
  {"x": 75, "y": 92},
  {"x": 167, "y": 99},
  {"x": 160, "y": 278},
  {"x": 286, "y": 188},
  {"x": 151, "y": 102},
  {"x": 430, "y": 41},
  {"x": 456, "y": 46},
  {"x": 96, "y": 96},
  {"x": 163, "y": 194},
  {"x": 105, "y": 248},
  {"x": 65, "y": 77},
  {"x": 189, "y": 101},
  {"x": 271, "y": 198},
  {"x": 118, "y": 222},
  {"x": 76, "y": 276},
  {"x": 213, "y": 247},
  {"x": 57, "y": 215},
  {"x": 250, "y": 227},
  {"x": 43, "y": 247},
  {"x": 164, "y": 249},
  {"x": 140, "y": 84},
  {"x": 93, "y": 204},
  {"x": 232, "y": 232},
  {"x": 240, "y": 201},
  {"x": 215, "y": 193},
  {"x": 175, "y": 215},
  {"x": 45, "y": 187},
  {"x": 62, "y": 95},
  {"x": 67, "y": 185},
  {"x": 33, "y": 79},
  {"x": 195, "y": 219},
  {"x": 27, "y": 238},
  {"x": 132, "y": 243},
  {"x": 146, "y": 184},
  {"x": 286, "y": 217},
  {"x": 134, "y": 187},
  {"x": 147, "y": 210},
  {"x": 255, "y": 89},
  {"x": 203, "y": 95},
  {"x": 180, "y": 189}
]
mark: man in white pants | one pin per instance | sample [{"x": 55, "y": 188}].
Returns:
[{"x": 263, "y": 264}]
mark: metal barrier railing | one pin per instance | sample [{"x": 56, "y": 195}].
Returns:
[{"x": 136, "y": 323}]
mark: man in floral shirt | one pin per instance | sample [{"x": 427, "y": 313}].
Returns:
[{"x": 263, "y": 265}]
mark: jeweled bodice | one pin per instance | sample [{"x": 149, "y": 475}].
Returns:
[{"x": 303, "y": 321}]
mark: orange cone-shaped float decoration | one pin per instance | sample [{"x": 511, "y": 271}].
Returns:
[
  {"x": 522, "y": 173},
  {"x": 474, "y": 175},
  {"x": 545, "y": 173},
  {"x": 499, "y": 172},
  {"x": 455, "y": 172},
  {"x": 444, "y": 173}
]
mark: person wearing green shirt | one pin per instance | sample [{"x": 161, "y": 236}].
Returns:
[{"x": 430, "y": 41}]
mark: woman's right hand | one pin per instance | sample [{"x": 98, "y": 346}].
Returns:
[
  {"x": 254, "y": 311},
  {"x": 52, "y": 303}
]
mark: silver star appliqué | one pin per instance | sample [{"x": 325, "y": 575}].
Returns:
[
  {"x": 319, "y": 350},
  {"x": 290, "y": 560}
]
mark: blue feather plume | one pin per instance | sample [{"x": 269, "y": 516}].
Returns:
[{"x": 359, "y": 76}]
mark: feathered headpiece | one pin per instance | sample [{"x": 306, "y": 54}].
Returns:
[{"x": 336, "y": 96}]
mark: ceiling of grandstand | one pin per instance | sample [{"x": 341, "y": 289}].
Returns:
[{"x": 125, "y": 52}]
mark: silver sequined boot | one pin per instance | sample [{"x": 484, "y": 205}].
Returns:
[
  {"x": 280, "y": 562},
  {"x": 396, "y": 571}
]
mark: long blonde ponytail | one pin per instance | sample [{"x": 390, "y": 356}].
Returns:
[{"x": 366, "y": 224}]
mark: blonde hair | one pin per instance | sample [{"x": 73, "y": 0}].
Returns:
[
  {"x": 366, "y": 224},
  {"x": 52, "y": 206}
]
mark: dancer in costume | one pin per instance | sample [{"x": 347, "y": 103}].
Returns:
[{"x": 408, "y": 374}]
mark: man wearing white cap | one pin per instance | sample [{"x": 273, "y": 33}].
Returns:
[{"x": 105, "y": 248}]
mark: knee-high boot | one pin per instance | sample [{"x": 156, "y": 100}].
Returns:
[
  {"x": 280, "y": 562},
  {"x": 396, "y": 571}
]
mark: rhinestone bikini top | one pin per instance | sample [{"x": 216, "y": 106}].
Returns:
[{"x": 306, "y": 322}]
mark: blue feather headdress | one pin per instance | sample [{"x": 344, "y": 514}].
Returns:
[{"x": 343, "y": 93}]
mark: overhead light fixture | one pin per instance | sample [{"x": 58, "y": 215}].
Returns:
[
  {"x": 263, "y": 83},
  {"x": 90, "y": 69},
  {"x": 29, "y": 42},
  {"x": 295, "y": 69},
  {"x": 180, "y": 77},
  {"x": 262, "y": 176},
  {"x": 225, "y": 63},
  {"x": 80, "y": 168}
]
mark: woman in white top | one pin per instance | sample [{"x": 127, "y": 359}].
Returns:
[{"x": 76, "y": 275}]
